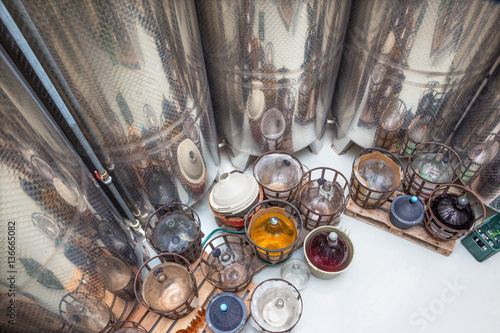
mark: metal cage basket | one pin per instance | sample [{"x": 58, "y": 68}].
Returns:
[
  {"x": 191, "y": 301},
  {"x": 273, "y": 193},
  {"x": 111, "y": 271},
  {"x": 364, "y": 196},
  {"x": 283, "y": 284},
  {"x": 312, "y": 218},
  {"x": 414, "y": 183},
  {"x": 279, "y": 255},
  {"x": 228, "y": 262},
  {"x": 437, "y": 229},
  {"x": 192, "y": 252},
  {"x": 122, "y": 326}
]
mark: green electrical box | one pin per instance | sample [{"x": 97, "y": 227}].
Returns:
[{"x": 484, "y": 242}]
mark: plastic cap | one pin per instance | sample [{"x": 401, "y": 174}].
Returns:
[
  {"x": 223, "y": 307},
  {"x": 321, "y": 181},
  {"x": 274, "y": 221},
  {"x": 333, "y": 236},
  {"x": 463, "y": 201},
  {"x": 216, "y": 252},
  {"x": 413, "y": 199}
]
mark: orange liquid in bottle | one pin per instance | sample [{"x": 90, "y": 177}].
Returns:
[{"x": 273, "y": 231}]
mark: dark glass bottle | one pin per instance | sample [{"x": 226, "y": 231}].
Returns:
[
  {"x": 328, "y": 252},
  {"x": 453, "y": 211}
]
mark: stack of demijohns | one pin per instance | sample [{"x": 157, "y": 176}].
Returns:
[{"x": 133, "y": 77}]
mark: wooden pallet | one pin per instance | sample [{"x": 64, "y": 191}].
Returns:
[
  {"x": 380, "y": 218},
  {"x": 154, "y": 323}
]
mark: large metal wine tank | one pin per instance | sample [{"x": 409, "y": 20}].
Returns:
[
  {"x": 410, "y": 68},
  {"x": 271, "y": 67},
  {"x": 67, "y": 258},
  {"x": 132, "y": 74},
  {"x": 477, "y": 141}
]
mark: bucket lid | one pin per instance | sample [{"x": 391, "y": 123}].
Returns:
[
  {"x": 190, "y": 162},
  {"x": 234, "y": 193},
  {"x": 225, "y": 313}
]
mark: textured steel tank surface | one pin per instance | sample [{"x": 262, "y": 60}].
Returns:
[
  {"x": 271, "y": 68},
  {"x": 477, "y": 141},
  {"x": 410, "y": 68},
  {"x": 68, "y": 259},
  {"x": 132, "y": 74}
]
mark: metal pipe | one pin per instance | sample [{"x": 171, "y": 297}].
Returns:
[{"x": 44, "y": 78}]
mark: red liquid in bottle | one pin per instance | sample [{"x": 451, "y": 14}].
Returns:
[{"x": 328, "y": 252}]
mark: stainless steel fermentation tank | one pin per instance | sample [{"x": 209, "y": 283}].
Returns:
[
  {"x": 132, "y": 75},
  {"x": 271, "y": 66},
  {"x": 68, "y": 259},
  {"x": 477, "y": 141},
  {"x": 410, "y": 68}
]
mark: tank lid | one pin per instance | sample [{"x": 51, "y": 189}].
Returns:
[{"x": 190, "y": 162}]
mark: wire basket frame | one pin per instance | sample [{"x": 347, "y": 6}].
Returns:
[
  {"x": 98, "y": 256},
  {"x": 284, "y": 284},
  {"x": 270, "y": 193},
  {"x": 113, "y": 327},
  {"x": 292, "y": 213},
  {"x": 192, "y": 252},
  {"x": 439, "y": 231},
  {"x": 182, "y": 310},
  {"x": 362, "y": 195},
  {"x": 215, "y": 266},
  {"x": 312, "y": 218},
  {"x": 413, "y": 183},
  {"x": 80, "y": 302}
]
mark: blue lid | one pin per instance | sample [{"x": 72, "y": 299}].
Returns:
[{"x": 226, "y": 313}]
